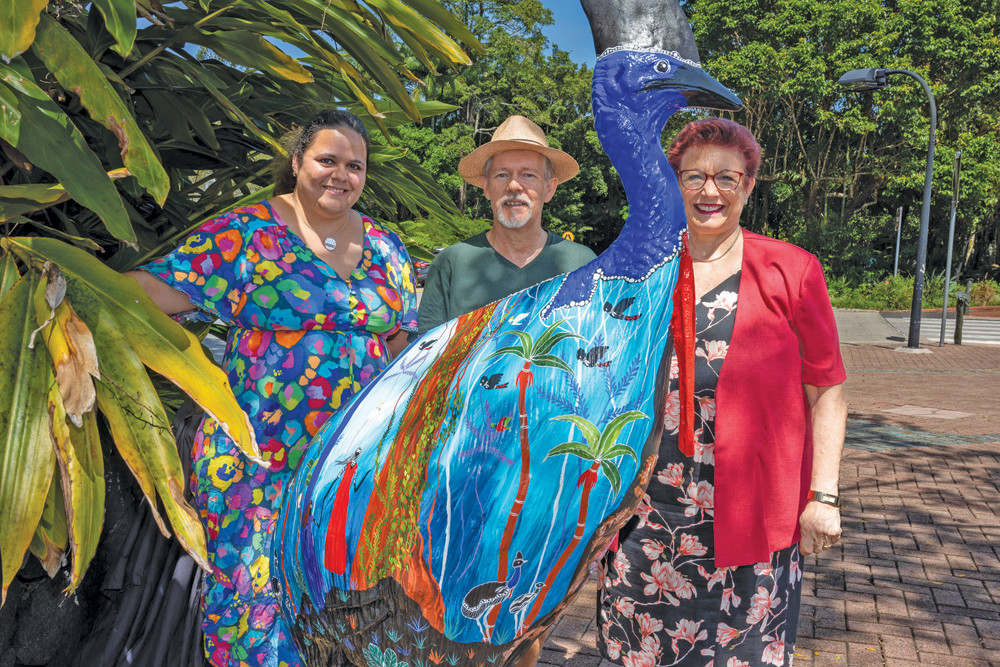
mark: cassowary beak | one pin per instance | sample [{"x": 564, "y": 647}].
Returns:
[{"x": 699, "y": 89}]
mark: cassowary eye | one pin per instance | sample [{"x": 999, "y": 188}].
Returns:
[{"x": 662, "y": 66}]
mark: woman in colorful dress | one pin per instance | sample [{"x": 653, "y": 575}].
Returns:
[
  {"x": 319, "y": 298},
  {"x": 709, "y": 572}
]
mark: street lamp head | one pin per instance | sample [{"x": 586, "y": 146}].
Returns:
[{"x": 862, "y": 80}]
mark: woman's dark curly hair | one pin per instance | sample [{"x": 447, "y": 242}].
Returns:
[{"x": 297, "y": 141}]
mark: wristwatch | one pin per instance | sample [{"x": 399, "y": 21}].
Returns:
[{"x": 825, "y": 498}]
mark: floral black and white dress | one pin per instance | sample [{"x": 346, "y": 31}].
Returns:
[{"x": 662, "y": 601}]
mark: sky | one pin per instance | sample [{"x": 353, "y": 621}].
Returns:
[{"x": 571, "y": 31}]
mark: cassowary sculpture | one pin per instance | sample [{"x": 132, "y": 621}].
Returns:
[{"x": 446, "y": 506}]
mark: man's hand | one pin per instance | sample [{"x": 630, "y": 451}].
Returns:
[{"x": 820, "y": 524}]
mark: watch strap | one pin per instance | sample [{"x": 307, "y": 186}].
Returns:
[{"x": 825, "y": 498}]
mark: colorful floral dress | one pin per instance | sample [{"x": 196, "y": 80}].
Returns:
[
  {"x": 662, "y": 601},
  {"x": 302, "y": 342}
]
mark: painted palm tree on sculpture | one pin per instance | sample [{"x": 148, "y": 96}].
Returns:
[
  {"x": 533, "y": 353},
  {"x": 601, "y": 448}
]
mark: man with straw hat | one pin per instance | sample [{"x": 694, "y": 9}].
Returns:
[{"x": 518, "y": 172}]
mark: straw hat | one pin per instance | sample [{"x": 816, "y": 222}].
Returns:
[{"x": 516, "y": 133}]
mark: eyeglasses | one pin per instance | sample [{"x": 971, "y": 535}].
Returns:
[{"x": 725, "y": 180}]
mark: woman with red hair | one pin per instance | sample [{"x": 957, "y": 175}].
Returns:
[{"x": 710, "y": 567}]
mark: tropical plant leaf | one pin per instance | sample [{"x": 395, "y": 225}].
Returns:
[
  {"x": 140, "y": 427},
  {"x": 614, "y": 476},
  {"x": 49, "y": 542},
  {"x": 17, "y": 200},
  {"x": 18, "y": 18},
  {"x": 27, "y": 460},
  {"x": 58, "y": 147},
  {"x": 77, "y": 72},
  {"x": 610, "y": 432},
  {"x": 9, "y": 274},
  {"x": 81, "y": 467},
  {"x": 252, "y": 50},
  {"x": 573, "y": 449},
  {"x": 590, "y": 432},
  {"x": 119, "y": 19},
  {"x": 405, "y": 20},
  {"x": 433, "y": 10},
  {"x": 162, "y": 344},
  {"x": 70, "y": 345}
]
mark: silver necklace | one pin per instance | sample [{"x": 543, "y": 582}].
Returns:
[
  {"x": 736, "y": 237},
  {"x": 329, "y": 242}
]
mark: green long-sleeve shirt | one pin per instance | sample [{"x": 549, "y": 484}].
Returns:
[{"x": 471, "y": 274}]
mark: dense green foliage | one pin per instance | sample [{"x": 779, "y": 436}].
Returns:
[
  {"x": 520, "y": 74},
  {"x": 836, "y": 165},
  {"x": 896, "y": 293}
]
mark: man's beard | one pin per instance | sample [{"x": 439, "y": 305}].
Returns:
[{"x": 509, "y": 221}]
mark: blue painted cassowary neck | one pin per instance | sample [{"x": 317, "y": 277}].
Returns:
[{"x": 635, "y": 93}]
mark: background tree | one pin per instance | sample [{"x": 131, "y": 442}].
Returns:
[{"x": 836, "y": 165}]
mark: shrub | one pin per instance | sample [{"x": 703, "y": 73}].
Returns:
[{"x": 985, "y": 293}]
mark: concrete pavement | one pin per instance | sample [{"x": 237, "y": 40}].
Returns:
[{"x": 916, "y": 578}]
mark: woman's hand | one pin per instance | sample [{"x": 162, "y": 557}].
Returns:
[{"x": 820, "y": 524}]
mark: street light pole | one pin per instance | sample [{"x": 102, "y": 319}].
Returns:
[
  {"x": 951, "y": 242},
  {"x": 925, "y": 214},
  {"x": 864, "y": 80}
]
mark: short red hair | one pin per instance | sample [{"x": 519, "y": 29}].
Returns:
[{"x": 716, "y": 132}]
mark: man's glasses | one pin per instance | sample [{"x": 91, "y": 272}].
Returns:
[{"x": 725, "y": 180}]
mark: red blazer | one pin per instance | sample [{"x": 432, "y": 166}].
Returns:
[{"x": 784, "y": 335}]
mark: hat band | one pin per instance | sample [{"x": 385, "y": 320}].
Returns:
[{"x": 527, "y": 141}]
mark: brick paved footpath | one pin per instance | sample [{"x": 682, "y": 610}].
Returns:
[{"x": 916, "y": 578}]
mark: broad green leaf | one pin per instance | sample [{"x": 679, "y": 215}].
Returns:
[
  {"x": 17, "y": 200},
  {"x": 142, "y": 433},
  {"x": 70, "y": 345},
  {"x": 76, "y": 71},
  {"x": 49, "y": 542},
  {"x": 18, "y": 19},
  {"x": 590, "y": 432},
  {"x": 58, "y": 147},
  {"x": 230, "y": 107},
  {"x": 81, "y": 467},
  {"x": 27, "y": 461},
  {"x": 404, "y": 19},
  {"x": 9, "y": 274},
  {"x": 9, "y": 115},
  {"x": 614, "y": 476},
  {"x": 372, "y": 52},
  {"x": 119, "y": 19},
  {"x": 433, "y": 10},
  {"x": 252, "y": 50},
  {"x": 572, "y": 449}
]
